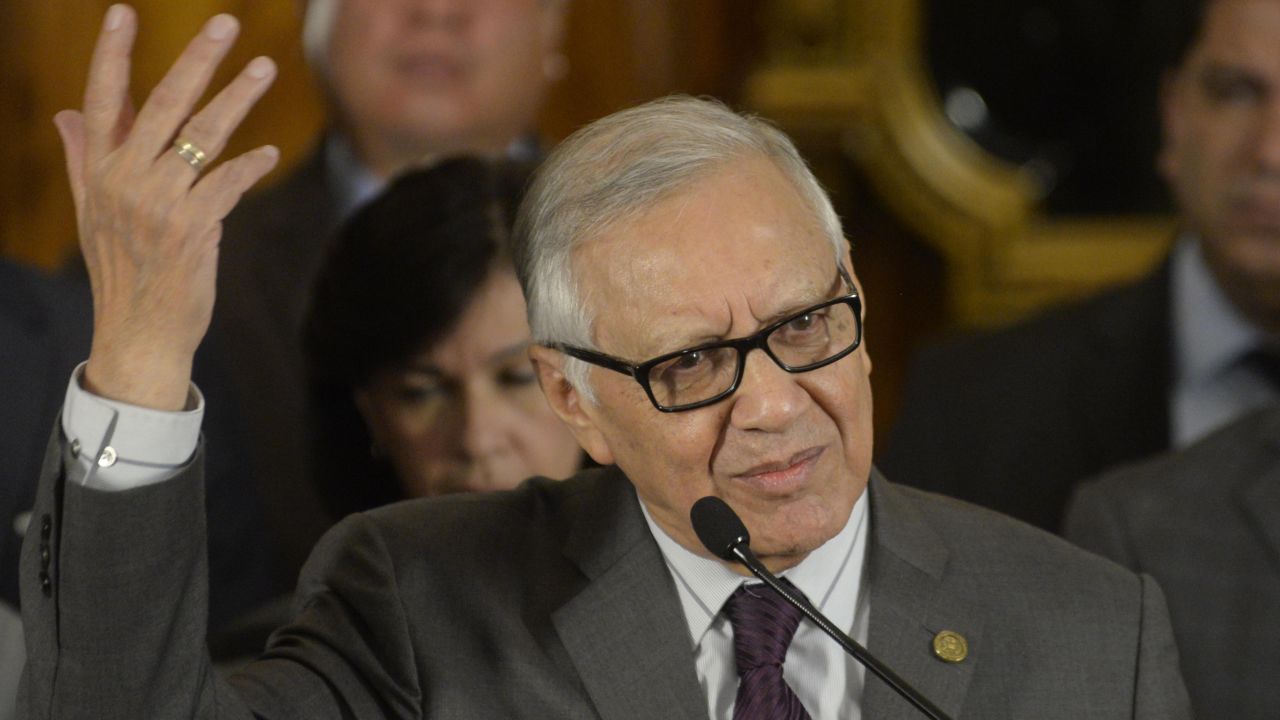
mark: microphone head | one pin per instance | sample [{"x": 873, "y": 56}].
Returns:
[{"x": 718, "y": 527}]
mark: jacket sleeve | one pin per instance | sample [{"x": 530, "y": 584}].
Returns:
[
  {"x": 1159, "y": 691},
  {"x": 1095, "y": 522},
  {"x": 115, "y": 601}
]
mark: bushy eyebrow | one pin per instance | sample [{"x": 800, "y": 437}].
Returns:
[{"x": 833, "y": 290}]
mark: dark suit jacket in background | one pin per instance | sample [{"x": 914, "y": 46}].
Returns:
[
  {"x": 45, "y": 331},
  {"x": 553, "y": 601},
  {"x": 45, "y": 327},
  {"x": 273, "y": 245},
  {"x": 1205, "y": 522},
  {"x": 1013, "y": 419}
]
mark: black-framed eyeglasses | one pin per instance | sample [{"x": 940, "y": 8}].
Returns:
[{"x": 699, "y": 376}]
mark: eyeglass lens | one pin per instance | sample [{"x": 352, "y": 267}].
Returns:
[{"x": 802, "y": 341}]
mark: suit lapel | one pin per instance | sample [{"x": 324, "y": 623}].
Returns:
[
  {"x": 1259, "y": 495},
  {"x": 625, "y": 630},
  {"x": 911, "y": 601}
]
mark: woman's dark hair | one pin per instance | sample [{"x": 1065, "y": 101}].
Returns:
[
  {"x": 399, "y": 274},
  {"x": 1180, "y": 23}
]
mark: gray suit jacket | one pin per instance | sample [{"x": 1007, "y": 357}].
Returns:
[
  {"x": 1205, "y": 522},
  {"x": 553, "y": 601}
]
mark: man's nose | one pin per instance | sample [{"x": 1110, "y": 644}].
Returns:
[
  {"x": 444, "y": 14},
  {"x": 768, "y": 398}
]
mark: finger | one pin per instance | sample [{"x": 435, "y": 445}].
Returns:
[
  {"x": 106, "y": 94},
  {"x": 210, "y": 128},
  {"x": 70, "y": 126},
  {"x": 124, "y": 124},
  {"x": 172, "y": 100},
  {"x": 219, "y": 191}
]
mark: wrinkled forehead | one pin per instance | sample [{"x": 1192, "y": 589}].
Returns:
[{"x": 728, "y": 251}]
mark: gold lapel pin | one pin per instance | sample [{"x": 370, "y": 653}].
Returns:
[{"x": 950, "y": 646}]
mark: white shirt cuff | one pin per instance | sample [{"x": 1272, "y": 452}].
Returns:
[{"x": 118, "y": 446}]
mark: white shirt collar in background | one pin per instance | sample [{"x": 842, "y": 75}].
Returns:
[{"x": 1210, "y": 337}]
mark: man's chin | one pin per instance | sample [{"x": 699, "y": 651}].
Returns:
[
  {"x": 783, "y": 556},
  {"x": 784, "y": 544},
  {"x": 784, "y": 538}
]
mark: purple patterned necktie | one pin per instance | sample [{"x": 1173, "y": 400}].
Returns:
[{"x": 763, "y": 625}]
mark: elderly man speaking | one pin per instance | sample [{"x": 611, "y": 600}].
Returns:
[{"x": 698, "y": 326}]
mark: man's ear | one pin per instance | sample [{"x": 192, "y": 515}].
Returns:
[{"x": 568, "y": 403}]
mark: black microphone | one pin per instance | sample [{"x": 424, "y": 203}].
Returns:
[{"x": 722, "y": 532}]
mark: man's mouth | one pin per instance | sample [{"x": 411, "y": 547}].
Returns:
[
  {"x": 782, "y": 476},
  {"x": 1258, "y": 208},
  {"x": 429, "y": 67}
]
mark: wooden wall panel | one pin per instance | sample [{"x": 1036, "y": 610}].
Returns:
[
  {"x": 623, "y": 52},
  {"x": 46, "y": 47},
  {"x": 620, "y": 52}
]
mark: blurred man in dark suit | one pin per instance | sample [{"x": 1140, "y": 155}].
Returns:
[
  {"x": 1013, "y": 419},
  {"x": 405, "y": 81}
]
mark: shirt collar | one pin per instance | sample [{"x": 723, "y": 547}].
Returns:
[
  {"x": 354, "y": 183},
  {"x": 1209, "y": 333},
  {"x": 704, "y": 584}
]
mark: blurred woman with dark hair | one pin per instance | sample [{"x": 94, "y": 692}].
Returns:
[
  {"x": 416, "y": 346},
  {"x": 416, "y": 338}
]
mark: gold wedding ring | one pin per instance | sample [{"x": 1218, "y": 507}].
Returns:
[{"x": 190, "y": 152}]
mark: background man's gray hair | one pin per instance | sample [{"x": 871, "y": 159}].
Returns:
[
  {"x": 614, "y": 169},
  {"x": 317, "y": 27}
]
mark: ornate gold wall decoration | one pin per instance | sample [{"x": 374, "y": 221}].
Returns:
[{"x": 871, "y": 100}]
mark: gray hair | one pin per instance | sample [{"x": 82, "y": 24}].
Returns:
[
  {"x": 616, "y": 168},
  {"x": 317, "y": 26}
]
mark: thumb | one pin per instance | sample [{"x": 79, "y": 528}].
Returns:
[{"x": 70, "y": 125}]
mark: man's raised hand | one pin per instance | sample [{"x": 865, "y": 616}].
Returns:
[{"x": 149, "y": 222}]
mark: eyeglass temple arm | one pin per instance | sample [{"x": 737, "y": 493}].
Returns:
[{"x": 605, "y": 361}]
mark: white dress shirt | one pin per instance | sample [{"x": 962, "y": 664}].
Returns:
[
  {"x": 1211, "y": 386},
  {"x": 826, "y": 680},
  {"x": 353, "y": 182}
]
